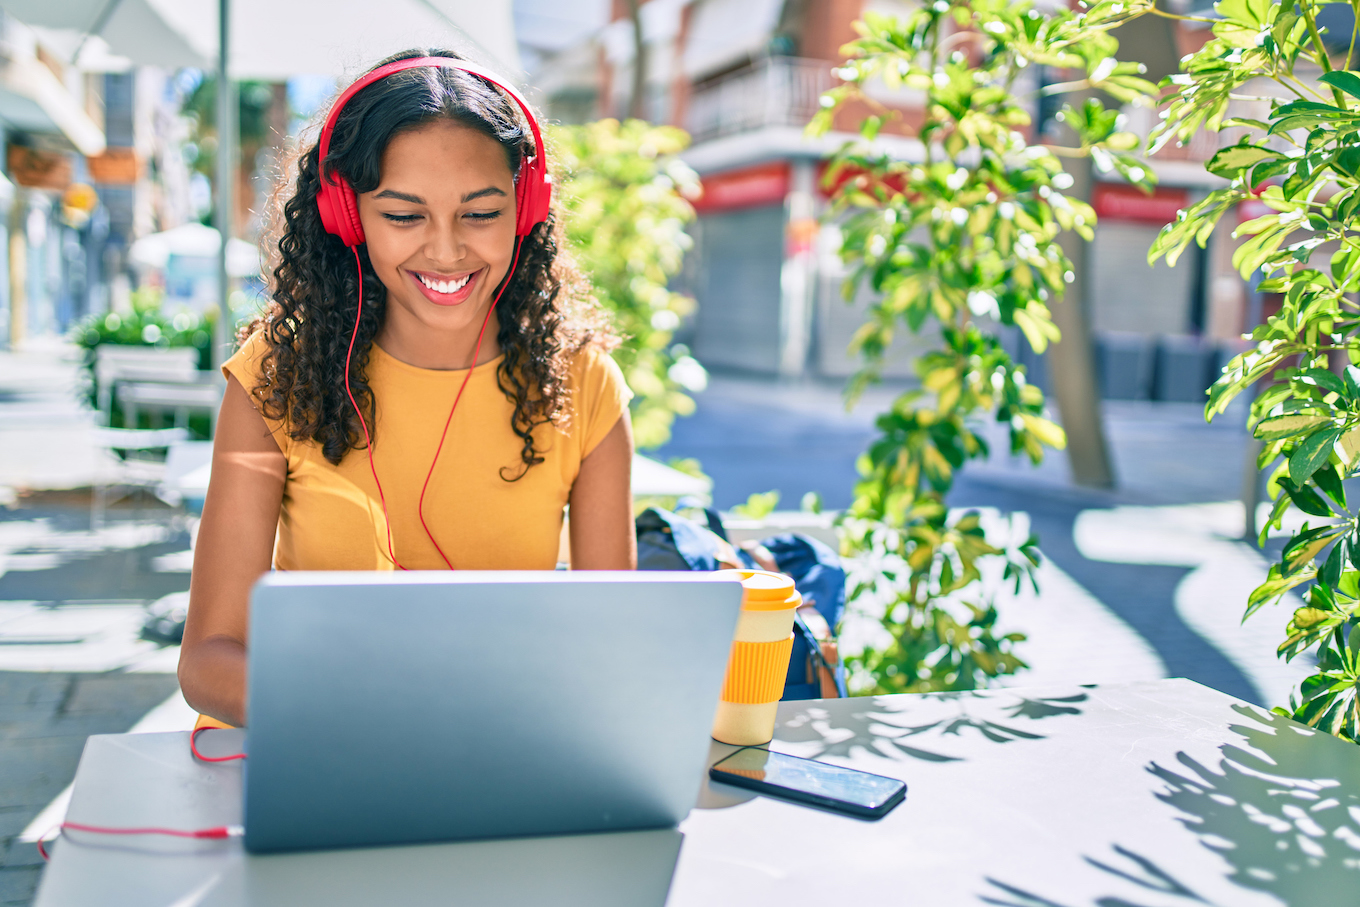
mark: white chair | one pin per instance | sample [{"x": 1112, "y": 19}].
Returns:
[
  {"x": 184, "y": 482},
  {"x": 136, "y": 463},
  {"x": 115, "y": 363}
]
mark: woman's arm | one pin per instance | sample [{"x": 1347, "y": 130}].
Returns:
[
  {"x": 235, "y": 546},
  {"x": 601, "y": 528}
]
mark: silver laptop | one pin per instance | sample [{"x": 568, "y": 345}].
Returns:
[{"x": 396, "y": 708}]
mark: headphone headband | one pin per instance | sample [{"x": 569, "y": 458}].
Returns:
[{"x": 336, "y": 200}]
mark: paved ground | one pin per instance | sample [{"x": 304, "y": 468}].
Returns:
[
  {"x": 71, "y": 606},
  {"x": 1145, "y": 582}
]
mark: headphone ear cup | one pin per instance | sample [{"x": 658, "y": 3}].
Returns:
[
  {"x": 543, "y": 199},
  {"x": 339, "y": 210},
  {"x": 326, "y": 208},
  {"x": 349, "y": 208},
  {"x": 523, "y": 197},
  {"x": 533, "y": 198}
]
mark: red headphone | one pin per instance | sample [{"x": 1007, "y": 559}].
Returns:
[
  {"x": 338, "y": 204},
  {"x": 339, "y": 209}
]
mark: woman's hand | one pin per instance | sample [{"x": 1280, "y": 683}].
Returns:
[
  {"x": 235, "y": 547},
  {"x": 601, "y": 525}
]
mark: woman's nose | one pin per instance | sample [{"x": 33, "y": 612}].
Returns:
[{"x": 445, "y": 242}]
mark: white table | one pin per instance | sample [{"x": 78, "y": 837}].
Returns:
[{"x": 1151, "y": 794}]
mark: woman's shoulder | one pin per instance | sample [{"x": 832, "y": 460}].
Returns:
[
  {"x": 593, "y": 370},
  {"x": 248, "y": 360},
  {"x": 599, "y": 394},
  {"x": 251, "y": 368}
]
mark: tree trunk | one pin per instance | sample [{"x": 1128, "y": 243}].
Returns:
[
  {"x": 1071, "y": 362},
  {"x": 1072, "y": 365}
]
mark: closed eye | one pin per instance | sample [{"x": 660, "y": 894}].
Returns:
[{"x": 412, "y": 218}]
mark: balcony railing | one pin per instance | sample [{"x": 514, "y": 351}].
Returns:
[{"x": 776, "y": 91}]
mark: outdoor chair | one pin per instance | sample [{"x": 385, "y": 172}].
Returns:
[
  {"x": 185, "y": 460},
  {"x": 117, "y": 363},
  {"x": 179, "y": 398},
  {"x": 135, "y": 463}
]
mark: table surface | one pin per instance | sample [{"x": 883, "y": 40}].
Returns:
[{"x": 1140, "y": 795}]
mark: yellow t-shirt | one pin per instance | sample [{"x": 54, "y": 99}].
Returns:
[{"x": 332, "y": 518}]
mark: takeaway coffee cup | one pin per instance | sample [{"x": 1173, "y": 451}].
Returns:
[{"x": 759, "y": 661}]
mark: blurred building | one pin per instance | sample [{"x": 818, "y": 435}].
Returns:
[
  {"x": 91, "y": 161},
  {"x": 744, "y": 77}
]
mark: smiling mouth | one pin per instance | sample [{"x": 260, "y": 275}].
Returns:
[
  {"x": 444, "y": 286},
  {"x": 446, "y": 291}
]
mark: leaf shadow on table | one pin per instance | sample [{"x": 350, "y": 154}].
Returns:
[
  {"x": 920, "y": 727},
  {"x": 1282, "y": 809}
]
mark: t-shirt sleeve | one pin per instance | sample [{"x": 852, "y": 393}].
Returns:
[
  {"x": 602, "y": 396},
  {"x": 247, "y": 366}
]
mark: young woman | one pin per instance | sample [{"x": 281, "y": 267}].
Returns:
[{"x": 430, "y": 384}]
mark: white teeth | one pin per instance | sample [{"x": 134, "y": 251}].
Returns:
[{"x": 444, "y": 286}]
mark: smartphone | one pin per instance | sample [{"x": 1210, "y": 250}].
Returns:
[{"x": 816, "y": 783}]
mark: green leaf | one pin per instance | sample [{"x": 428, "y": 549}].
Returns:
[
  {"x": 1324, "y": 379},
  {"x": 1348, "y": 82},
  {"x": 1329, "y": 481},
  {"x": 1330, "y": 574},
  {"x": 1347, "y": 160},
  {"x": 1305, "y": 546},
  {"x": 1305, "y": 498},
  {"x": 1275, "y": 586},
  {"x": 1288, "y": 425},
  {"x": 1233, "y": 160},
  {"x": 1309, "y": 456}
]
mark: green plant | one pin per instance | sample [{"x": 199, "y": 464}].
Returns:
[
  {"x": 757, "y": 506},
  {"x": 146, "y": 325},
  {"x": 1303, "y": 161},
  {"x": 624, "y": 193},
  {"x": 967, "y": 240}
]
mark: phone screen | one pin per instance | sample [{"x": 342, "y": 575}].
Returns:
[{"x": 804, "y": 779}]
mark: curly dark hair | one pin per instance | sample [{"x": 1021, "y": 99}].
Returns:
[{"x": 545, "y": 316}]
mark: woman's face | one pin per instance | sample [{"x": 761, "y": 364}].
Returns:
[{"x": 440, "y": 226}]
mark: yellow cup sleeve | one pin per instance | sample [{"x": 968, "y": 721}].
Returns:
[{"x": 756, "y": 671}]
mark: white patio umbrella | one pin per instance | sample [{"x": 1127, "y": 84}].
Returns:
[
  {"x": 197, "y": 241},
  {"x": 275, "y": 39}
]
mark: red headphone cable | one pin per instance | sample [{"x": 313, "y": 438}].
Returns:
[
  {"x": 368, "y": 441},
  {"x": 217, "y": 832},
  {"x": 193, "y": 747},
  {"x": 420, "y": 507}
]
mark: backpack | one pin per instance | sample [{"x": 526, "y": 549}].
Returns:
[{"x": 668, "y": 541}]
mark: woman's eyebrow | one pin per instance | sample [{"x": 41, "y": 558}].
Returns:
[
  {"x": 400, "y": 196},
  {"x": 417, "y": 200},
  {"x": 489, "y": 190}
]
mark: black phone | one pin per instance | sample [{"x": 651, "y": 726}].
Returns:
[{"x": 807, "y": 781}]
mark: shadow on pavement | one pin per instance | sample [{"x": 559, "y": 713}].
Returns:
[
  {"x": 76, "y": 569},
  {"x": 1143, "y": 595},
  {"x": 50, "y": 555}
]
